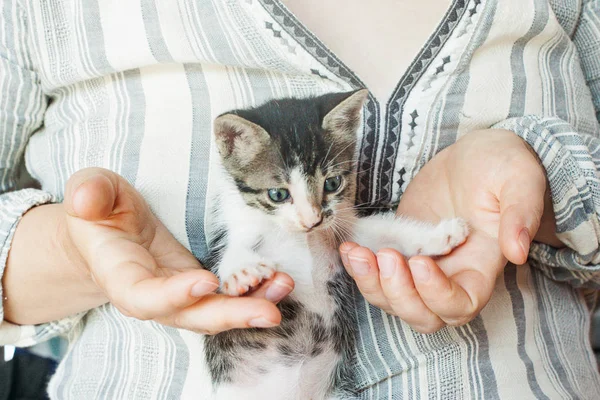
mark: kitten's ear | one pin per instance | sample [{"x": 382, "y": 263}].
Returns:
[
  {"x": 239, "y": 138},
  {"x": 344, "y": 117}
]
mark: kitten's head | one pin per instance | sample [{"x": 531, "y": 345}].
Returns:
[{"x": 294, "y": 158}]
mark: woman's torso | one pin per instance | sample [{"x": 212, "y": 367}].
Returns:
[{"x": 135, "y": 87}]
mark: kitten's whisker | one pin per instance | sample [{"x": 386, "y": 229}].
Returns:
[
  {"x": 343, "y": 230},
  {"x": 339, "y": 153},
  {"x": 339, "y": 239},
  {"x": 328, "y": 166},
  {"x": 362, "y": 171},
  {"x": 346, "y": 235},
  {"x": 342, "y": 227},
  {"x": 369, "y": 202},
  {"x": 328, "y": 150},
  {"x": 340, "y": 163},
  {"x": 345, "y": 217},
  {"x": 361, "y": 206},
  {"x": 331, "y": 231}
]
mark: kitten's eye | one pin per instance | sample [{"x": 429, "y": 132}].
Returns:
[
  {"x": 278, "y": 195},
  {"x": 333, "y": 184}
]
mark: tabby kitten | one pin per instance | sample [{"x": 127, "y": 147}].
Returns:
[{"x": 285, "y": 202}]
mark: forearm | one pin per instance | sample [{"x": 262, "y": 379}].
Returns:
[{"x": 45, "y": 278}]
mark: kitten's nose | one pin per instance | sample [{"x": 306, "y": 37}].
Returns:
[
  {"x": 314, "y": 222},
  {"x": 318, "y": 222}
]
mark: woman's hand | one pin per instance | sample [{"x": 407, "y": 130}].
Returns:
[
  {"x": 143, "y": 271},
  {"x": 493, "y": 180}
]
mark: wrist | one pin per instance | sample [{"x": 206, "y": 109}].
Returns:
[{"x": 45, "y": 278}]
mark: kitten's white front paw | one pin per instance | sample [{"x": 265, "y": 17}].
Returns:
[
  {"x": 247, "y": 276},
  {"x": 449, "y": 234}
]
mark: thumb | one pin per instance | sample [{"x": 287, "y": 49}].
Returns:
[
  {"x": 521, "y": 209},
  {"x": 91, "y": 193}
]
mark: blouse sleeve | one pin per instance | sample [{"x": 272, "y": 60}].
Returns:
[
  {"x": 587, "y": 41},
  {"x": 22, "y": 107},
  {"x": 572, "y": 162}
]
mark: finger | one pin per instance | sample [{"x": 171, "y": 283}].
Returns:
[
  {"x": 364, "y": 270},
  {"x": 153, "y": 297},
  {"x": 218, "y": 313},
  {"x": 521, "y": 209},
  {"x": 456, "y": 300},
  {"x": 345, "y": 248},
  {"x": 132, "y": 281},
  {"x": 401, "y": 294},
  {"x": 91, "y": 193},
  {"x": 274, "y": 289},
  {"x": 169, "y": 252},
  {"x": 547, "y": 233}
]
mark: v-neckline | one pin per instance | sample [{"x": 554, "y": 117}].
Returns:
[
  {"x": 374, "y": 145},
  {"x": 427, "y": 51}
]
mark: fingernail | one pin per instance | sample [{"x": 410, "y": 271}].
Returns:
[
  {"x": 419, "y": 270},
  {"x": 524, "y": 240},
  {"x": 203, "y": 288},
  {"x": 277, "y": 291},
  {"x": 261, "y": 322},
  {"x": 360, "y": 266},
  {"x": 387, "y": 265}
]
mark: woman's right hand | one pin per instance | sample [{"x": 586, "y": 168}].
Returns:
[{"x": 142, "y": 269}]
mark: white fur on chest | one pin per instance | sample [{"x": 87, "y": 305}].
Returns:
[{"x": 310, "y": 259}]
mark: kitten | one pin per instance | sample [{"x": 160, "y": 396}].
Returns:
[{"x": 285, "y": 202}]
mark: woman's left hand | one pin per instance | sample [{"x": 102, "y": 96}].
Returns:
[{"x": 493, "y": 180}]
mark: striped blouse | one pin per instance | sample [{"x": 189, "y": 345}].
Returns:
[{"x": 133, "y": 86}]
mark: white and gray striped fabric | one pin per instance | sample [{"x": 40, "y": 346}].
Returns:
[{"x": 134, "y": 86}]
